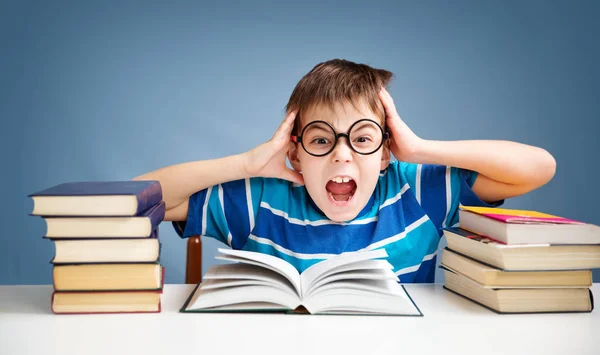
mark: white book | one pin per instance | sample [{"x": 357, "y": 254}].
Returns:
[{"x": 350, "y": 283}]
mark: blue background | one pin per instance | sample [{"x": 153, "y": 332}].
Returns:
[{"x": 109, "y": 91}]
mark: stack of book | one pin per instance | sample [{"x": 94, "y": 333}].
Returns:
[
  {"x": 106, "y": 245},
  {"x": 517, "y": 261}
]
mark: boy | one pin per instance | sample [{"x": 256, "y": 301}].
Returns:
[{"x": 343, "y": 193}]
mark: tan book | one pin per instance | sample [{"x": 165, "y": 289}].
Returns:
[
  {"x": 521, "y": 300},
  {"x": 140, "y": 226},
  {"x": 106, "y": 250},
  {"x": 490, "y": 277},
  {"x": 96, "y": 277},
  {"x": 522, "y": 256},
  {"x": 106, "y": 302}
]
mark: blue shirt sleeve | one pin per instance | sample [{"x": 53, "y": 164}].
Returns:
[
  {"x": 465, "y": 195},
  {"x": 225, "y": 212},
  {"x": 440, "y": 190}
]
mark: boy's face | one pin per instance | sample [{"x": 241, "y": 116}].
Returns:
[{"x": 341, "y": 182}]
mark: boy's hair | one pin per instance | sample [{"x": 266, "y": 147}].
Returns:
[{"x": 338, "y": 80}]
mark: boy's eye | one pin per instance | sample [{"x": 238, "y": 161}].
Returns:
[
  {"x": 363, "y": 139},
  {"x": 320, "y": 141}
]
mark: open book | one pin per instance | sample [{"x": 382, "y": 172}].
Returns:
[{"x": 351, "y": 283}]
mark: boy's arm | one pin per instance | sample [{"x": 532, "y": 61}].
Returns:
[
  {"x": 181, "y": 181},
  {"x": 505, "y": 169}
]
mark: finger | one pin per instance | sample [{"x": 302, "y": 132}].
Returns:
[
  {"x": 385, "y": 94},
  {"x": 285, "y": 129},
  {"x": 388, "y": 105}
]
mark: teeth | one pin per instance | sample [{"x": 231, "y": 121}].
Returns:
[{"x": 341, "y": 179}]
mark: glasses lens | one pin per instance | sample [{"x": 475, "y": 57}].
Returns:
[
  {"x": 366, "y": 137},
  {"x": 318, "y": 138}
]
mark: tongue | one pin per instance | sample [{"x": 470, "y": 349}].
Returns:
[{"x": 340, "y": 188}]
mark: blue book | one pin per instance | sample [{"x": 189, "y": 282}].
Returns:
[
  {"x": 140, "y": 226},
  {"x": 97, "y": 198}
]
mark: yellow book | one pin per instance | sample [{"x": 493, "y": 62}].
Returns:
[{"x": 508, "y": 212}]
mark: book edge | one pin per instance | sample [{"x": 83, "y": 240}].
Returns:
[{"x": 525, "y": 313}]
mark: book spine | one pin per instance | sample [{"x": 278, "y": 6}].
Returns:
[
  {"x": 149, "y": 197},
  {"x": 157, "y": 215},
  {"x": 52, "y": 302},
  {"x": 158, "y": 310}
]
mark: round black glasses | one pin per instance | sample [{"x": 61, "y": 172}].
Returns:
[{"x": 319, "y": 138}]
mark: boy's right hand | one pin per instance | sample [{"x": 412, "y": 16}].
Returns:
[{"x": 268, "y": 159}]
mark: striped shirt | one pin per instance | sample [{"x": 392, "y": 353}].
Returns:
[{"x": 405, "y": 215}]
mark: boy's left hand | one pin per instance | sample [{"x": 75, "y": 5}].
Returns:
[{"x": 404, "y": 144}]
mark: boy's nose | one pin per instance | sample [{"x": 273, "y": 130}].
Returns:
[{"x": 342, "y": 153}]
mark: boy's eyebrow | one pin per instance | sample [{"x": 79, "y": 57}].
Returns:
[
  {"x": 362, "y": 124},
  {"x": 318, "y": 127}
]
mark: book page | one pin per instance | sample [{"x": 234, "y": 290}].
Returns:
[
  {"x": 314, "y": 271},
  {"x": 343, "y": 300},
  {"x": 387, "y": 286},
  {"x": 245, "y": 274},
  {"x": 355, "y": 276},
  {"x": 377, "y": 264},
  {"x": 226, "y": 297},
  {"x": 269, "y": 261}
]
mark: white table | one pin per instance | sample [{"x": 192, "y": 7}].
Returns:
[{"x": 451, "y": 324}]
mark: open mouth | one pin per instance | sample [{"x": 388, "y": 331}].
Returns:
[{"x": 341, "y": 189}]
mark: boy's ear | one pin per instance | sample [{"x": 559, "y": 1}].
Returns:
[
  {"x": 293, "y": 156},
  {"x": 385, "y": 156}
]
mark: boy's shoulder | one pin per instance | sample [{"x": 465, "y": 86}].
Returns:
[{"x": 395, "y": 175}]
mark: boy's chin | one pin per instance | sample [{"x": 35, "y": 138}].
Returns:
[
  {"x": 344, "y": 215},
  {"x": 343, "y": 218}
]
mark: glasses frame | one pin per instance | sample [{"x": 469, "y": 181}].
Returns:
[{"x": 298, "y": 139}]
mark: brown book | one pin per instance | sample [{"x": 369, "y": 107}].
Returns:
[
  {"x": 521, "y": 300},
  {"x": 490, "y": 277},
  {"x": 522, "y": 257},
  {"x": 106, "y": 250},
  {"x": 106, "y": 302},
  {"x": 107, "y": 277},
  {"x": 526, "y": 227}
]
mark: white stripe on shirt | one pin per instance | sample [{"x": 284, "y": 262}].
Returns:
[
  {"x": 249, "y": 202},
  {"x": 205, "y": 210},
  {"x": 306, "y": 256},
  {"x": 448, "y": 197},
  {"x": 418, "y": 183},
  {"x": 222, "y": 202},
  {"x": 414, "y": 268},
  {"x": 321, "y": 222},
  {"x": 398, "y": 236},
  {"x": 289, "y": 252},
  {"x": 306, "y": 222},
  {"x": 395, "y": 198}
]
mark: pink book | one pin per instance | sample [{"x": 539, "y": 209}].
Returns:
[{"x": 519, "y": 216}]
